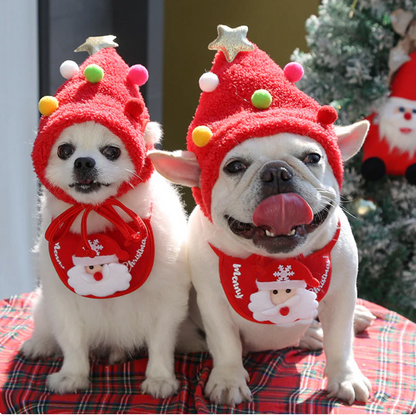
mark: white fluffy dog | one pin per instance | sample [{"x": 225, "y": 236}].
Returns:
[{"x": 150, "y": 316}]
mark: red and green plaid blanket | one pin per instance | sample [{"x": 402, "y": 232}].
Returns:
[{"x": 284, "y": 381}]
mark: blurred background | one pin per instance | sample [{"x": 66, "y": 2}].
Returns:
[{"x": 169, "y": 37}]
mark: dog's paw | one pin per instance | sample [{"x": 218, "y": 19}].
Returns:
[
  {"x": 348, "y": 384},
  {"x": 363, "y": 318},
  {"x": 61, "y": 382},
  {"x": 228, "y": 385},
  {"x": 313, "y": 339},
  {"x": 116, "y": 357},
  {"x": 160, "y": 387},
  {"x": 37, "y": 349}
]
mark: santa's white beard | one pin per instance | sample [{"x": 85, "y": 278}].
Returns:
[
  {"x": 390, "y": 124},
  {"x": 116, "y": 277},
  {"x": 303, "y": 311}
]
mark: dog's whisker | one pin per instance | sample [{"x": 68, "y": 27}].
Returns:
[{"x": 133, "y": 173}]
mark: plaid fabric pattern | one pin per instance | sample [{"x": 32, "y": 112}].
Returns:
[{"x": 285, "y": 381}]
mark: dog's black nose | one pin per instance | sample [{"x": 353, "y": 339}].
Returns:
[
  {"x": 276, "y": 177},
  {"x": 84, "y": 163},
  {"x": 276, "y": 172}
]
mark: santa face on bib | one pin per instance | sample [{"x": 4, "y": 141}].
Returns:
[
  {"x": 283, "y": 298},
  {"x": 101, "y": 275}
]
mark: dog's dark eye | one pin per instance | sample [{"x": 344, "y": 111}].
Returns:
[
  {"x": 65, "y": 151},
  {"x": 111, "y": 153},
  {"x": 312, "y": 158},
  {"x": 275, "y": 292},
  {"x": 288, "y": 291},
  {"x": 235, "y": 166}
]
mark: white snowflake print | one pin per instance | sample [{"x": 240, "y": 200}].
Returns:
[
  {"x": 95, "y": 245},
  {"x": 284, "y": 273}
]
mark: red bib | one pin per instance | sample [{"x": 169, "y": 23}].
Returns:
[
  {"x": 106, "y": 265},
  {"x": 277, "y": 291}
]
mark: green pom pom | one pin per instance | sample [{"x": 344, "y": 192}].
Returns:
[
  {"x": 93, "y": 73},
  {"x": 261, "y": 99}
]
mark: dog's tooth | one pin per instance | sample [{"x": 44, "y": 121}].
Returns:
[
  {"x": 292, "y": 232},
  {"x": 268, "y": 233}
]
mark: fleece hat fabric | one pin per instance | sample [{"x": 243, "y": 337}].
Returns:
[
  {"x": 403, "y": 85},
  {"x": 105, "y": 91},
  {"x": 253, "y": 97}
]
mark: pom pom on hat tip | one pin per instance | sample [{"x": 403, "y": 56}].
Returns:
[
  {"x": 293, "y": 71},
  {"x": 138, "y": 75},
  {"x": 68, "y": 69},
  {"x": 208, "y": 82},
  {"x": 327, "y": 115}
]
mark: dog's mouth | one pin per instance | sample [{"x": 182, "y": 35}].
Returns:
[
  {"x": 265, "y": 236},
  {"x": 88, "y": 186}
]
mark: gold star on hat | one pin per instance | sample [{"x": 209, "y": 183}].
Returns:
[
  {"x": 94, "y": 44},
  {"x": 231, "y": 41}
]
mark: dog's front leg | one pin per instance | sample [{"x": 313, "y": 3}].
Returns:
[
  {"x": 74, "y": 374},
  {"x": 227, "y": 383},
  {"x": 160, "y": 375},
  {"x": 345, "y": 380}
]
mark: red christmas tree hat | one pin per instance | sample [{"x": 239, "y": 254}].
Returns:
[
  {"x": 403, "y": 85},
  {"x": 106, "y": 251},
  {"x": 104, "y": 90},
  {"x": 248, "y": 95}
]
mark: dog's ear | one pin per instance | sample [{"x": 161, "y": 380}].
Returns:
[
  {"x": 351, "y": 138},
  {"x": 180, "y": 167},
  {"x": 153, "y": 133}
]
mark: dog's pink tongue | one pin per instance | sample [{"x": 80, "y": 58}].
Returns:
[{"x": 282, "y": 213}]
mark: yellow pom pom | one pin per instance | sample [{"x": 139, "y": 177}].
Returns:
[
  {"x": 47, "y": 105},
  {"x": 201, "y": 136}
]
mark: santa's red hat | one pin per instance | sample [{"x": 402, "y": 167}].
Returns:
[
  {"x": 251, "y": 96},
  {"x": 403, "y": 85},
  {"x": 105, "y": 248},
  {"x": 285, "y": 274},
  {"x": 104, "y": 90}
]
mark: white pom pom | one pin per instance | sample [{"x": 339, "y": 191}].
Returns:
[
  {"x": 208, "y": 82},
  {"x": 153, "y": 133},
  {"x": 68, "y": 69}
]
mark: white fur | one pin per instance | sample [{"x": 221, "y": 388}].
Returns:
[
  {"x": 391, "y": 120},
  {"x": 149, "y": 316},
  {"x": 228, "y": 334}
]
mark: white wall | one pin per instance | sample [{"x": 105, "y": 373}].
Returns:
[{"x": 18, "y": 124}]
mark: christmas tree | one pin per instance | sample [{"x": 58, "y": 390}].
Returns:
[{"x": 356, "y": 47}]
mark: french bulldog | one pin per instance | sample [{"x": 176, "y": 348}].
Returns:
[
  {"x": 253, "y": 174},
  {"x": 269, "y": 246}
]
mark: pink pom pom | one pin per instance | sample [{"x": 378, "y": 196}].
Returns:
[
  {"x": 138, "y": 75},
  {"x": 293, "y": 71}
]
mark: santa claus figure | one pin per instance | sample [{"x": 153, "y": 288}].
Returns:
[
  {"x": 390, "y": 147},
  {"x": 97, "y": 271},
  {"x": 283, "y": 298}
]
